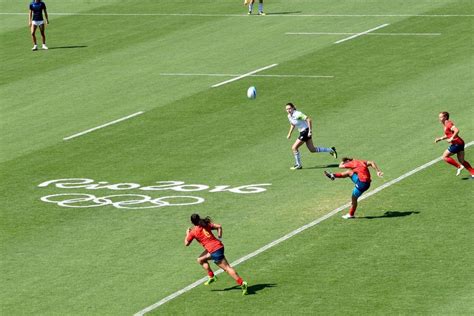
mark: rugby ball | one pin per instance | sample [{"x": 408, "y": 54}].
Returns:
[{"x": 252, "y": 93}]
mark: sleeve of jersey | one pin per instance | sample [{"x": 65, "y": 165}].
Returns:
[{"x": 302, "y": 117}]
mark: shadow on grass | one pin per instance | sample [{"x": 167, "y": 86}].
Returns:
[
  {"x": 289, "y": 12},
  {"x": 251, "y": 290},
  {"x": 390, "y": 214},
  {"x": 468, "y": 178},
  {"x": 66, "y": 47},
  {"x": 332, "y": 165}
]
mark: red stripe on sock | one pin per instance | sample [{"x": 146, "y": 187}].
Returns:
[
  {"x": 210, "y": 274},
  {"x": 239, "y": 281},
  {"x": 451, "y": 161}
]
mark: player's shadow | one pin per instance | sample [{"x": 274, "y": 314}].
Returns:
[
  {"x": 251, "y": 290},
  {"x": 287, "y": 12},
  {"x": 466, "y": 178},
  {"x": 390, "y": 214},
  {"x": 67, "y": 47},
  {"x": 332, "y": 165}
]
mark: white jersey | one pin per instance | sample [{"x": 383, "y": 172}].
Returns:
[{"x": 298, "y": 119}]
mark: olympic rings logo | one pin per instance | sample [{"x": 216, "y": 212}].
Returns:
[{"x": 121, "y": 201}]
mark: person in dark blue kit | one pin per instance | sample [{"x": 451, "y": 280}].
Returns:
[{"x": 36, "y": 20}]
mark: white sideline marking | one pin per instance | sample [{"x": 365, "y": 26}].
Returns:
[
  {"x": 291, "y": 234},
  {"x": 243, "y": 76},
  {"x": 376, "y": 34},
  {"x": 236, "y": 75},
  {"x": 362, "y": 33},
  {"x": 104, "y": 125},
  {"x": 245, "y": 15}
]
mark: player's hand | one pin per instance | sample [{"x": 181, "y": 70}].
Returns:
[
  {"x": 380, "y": 174},
  {"x": 449, "y": 140},
  {"x": 437, "y": 140},
  {"x": 310, "y": 133}
]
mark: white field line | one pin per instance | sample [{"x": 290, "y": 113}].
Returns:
[
  {"x": 245, "y": 15},
  {"x": 243, "y": 76},
  {"x": 104, "y": 125},
  {"x": 373, "y": 34},
  {"x": 362, "y": 33},
  {"x": 291, "y": 234},
  {"x": 236, "y": 75}
]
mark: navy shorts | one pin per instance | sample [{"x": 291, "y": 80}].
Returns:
[
  {"x": 304, "y": 135},
  {"x": 218, "y": 255},
  {"x": 360, "y": 187},
  {"x": 454, "y": 148}
]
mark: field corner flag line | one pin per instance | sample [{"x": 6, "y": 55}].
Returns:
[{"x": 291, "y": 234}]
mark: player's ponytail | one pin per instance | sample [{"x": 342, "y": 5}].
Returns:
[
  {"x": 445, "y": 114},
  {"x": 198, "y": 221}
]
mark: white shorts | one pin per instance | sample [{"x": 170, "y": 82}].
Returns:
[{"x": 37, "y": 23}]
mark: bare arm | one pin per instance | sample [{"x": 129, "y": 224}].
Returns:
[
  {"x": 455, "y": 130},
  {"x": 292, "y": 127},
  {"x": 30, "y": 17},
  {"x": 186, "y": 242},
  {"x": 310, "y": 124},
  {"x": 438, "y": 139},
  {"x": 219, "y": 230},
  {"x": 374, "y": 165},
  {"x": 46, "y": 15}
]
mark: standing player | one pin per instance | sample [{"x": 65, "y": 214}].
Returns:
[
  {"x": 359, "y": 174},
  {"x": 214, "y": 249},
  {"x": 36, "y": 20},
  {"x": 451, "y": 134},
  {"x": 305, "y": 127},
  {"x": 250, "y": 4}
]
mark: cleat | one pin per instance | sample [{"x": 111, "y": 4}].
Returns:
[
  {"x": 296, "y": 167},
  {"x": 211, "y": 280},
  {"x": 348, "y": 216},
  {"x": 458, "y": 171},
  {"x": 35, "y": 47},
  {"x": 330, "y": 175},
  {"x": 261, "y": 13},
  {"x": 249, "y": 13},
  {"x": 44, "y": 47},
  {"x": 244, "y": 287},
  {"x": 333, "y": 152}
]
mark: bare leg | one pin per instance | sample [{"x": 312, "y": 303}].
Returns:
[
  {"x": 203, "y": 261},
  {"x": 224, "y": 265},
  {"x": 43, "y": 36},
  {"x": 33, "y": 33}
]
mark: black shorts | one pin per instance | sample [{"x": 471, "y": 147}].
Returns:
[{"x": 304, "y": 135}]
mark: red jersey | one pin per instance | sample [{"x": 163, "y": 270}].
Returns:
[
  {"x": 449, "y": 133},
  {"x": 205, "y": 237},
  {"x": 360, "y": 168}
]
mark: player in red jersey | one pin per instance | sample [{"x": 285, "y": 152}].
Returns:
[
  {"x": 451, "y": 134},
  {"x": 359, "y": 174},
  {"x": 214, "y": 249}
]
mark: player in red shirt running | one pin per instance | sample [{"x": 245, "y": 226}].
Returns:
[
  {"x": 451, "y": 134},
  {"x": 214, "y": 249},
  {"x": 359, "y": 174}
]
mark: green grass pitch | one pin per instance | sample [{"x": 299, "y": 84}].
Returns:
[{"x": 409, "y": 252}]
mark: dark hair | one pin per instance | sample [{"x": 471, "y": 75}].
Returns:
[
  {"x": 445, "y": 114},
  {"x": 292, "y": 105},
  {"x": 346, "y": 159},
  {"x": 198, "y": 221}
]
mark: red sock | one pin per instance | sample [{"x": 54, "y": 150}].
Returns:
[
  {"x": 468, "y": 167},
  {"x": 352, "y": 211},
  {"x": 337, "y": 175},
  {"x": 239, "y": 281},
  {"x": 210, "y": 274},
  {"x": 451, "y": 161}
]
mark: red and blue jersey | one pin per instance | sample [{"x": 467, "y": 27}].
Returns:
[
  {"x": 448, "y": 125},
  {"x": 205, "y": 237},
  {"x": 360, "y": 168},
  {"x": 37, "y": 8}
]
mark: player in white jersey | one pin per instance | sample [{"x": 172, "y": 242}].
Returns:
[{"x": 304, "y": 124}]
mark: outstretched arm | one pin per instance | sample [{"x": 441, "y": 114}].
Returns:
[{"x": 374, "y": 165}]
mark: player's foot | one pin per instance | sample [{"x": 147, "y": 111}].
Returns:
[
  {"x": 211, "y": 280},
  {"x": 244, "y": 287},
  {"x": 458, "y": 171},
  {"x": 35, "y": 47},
  {"x": 333, "y": 152},
  {"x": 44, "y": 46},
  {"x": 249, "y": 13},
  {"x": 330, "y": 175},
  {"x": 261, "y": 13},
  {"x": 348, "y": 216},
  {"x": 296, "y": 167}
]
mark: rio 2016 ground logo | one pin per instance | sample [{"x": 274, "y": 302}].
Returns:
[{"x": 135, "y": 201}]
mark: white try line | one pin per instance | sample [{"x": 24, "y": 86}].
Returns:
[
  {"x": 246, "y": 15},
  {"x": 291, "y": 234},
  {"x": 243, "y": 76},
  {"x": 104, "y": 125},
  {"x": 372, "y": 34},
  {"x": 236, "y": 75},
  {"x": 362, "y": 33}
]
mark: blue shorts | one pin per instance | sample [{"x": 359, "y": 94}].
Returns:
[
  {"x": 360, "y": 187},
  {"x": 218, "y": 255},
  {"x": 456, "y": 148}
]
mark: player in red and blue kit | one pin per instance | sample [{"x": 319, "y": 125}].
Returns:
[
  {"x": 36, "y": 20},
  {"x": 359, "y": 174},
  {"x": 214, "y": 249},
  {"x": 451, "y": 135}
]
